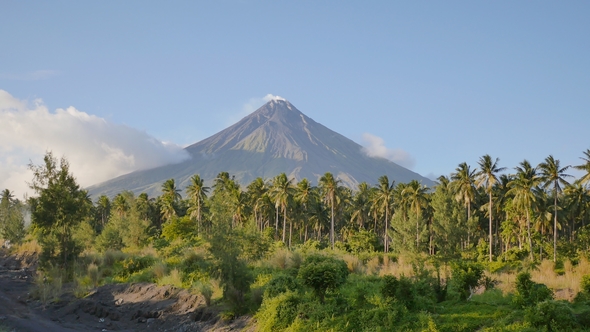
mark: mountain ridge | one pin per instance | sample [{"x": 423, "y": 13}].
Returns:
[{"x": 276, "y": 138}]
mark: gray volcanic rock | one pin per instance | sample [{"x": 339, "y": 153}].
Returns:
[{"x": 274, "y": 139}]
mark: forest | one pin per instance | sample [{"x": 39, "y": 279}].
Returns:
[{"x": 489, "y": 248}]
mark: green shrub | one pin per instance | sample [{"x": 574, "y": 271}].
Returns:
[
  {"x": 323, "y": 273},
  {"x": 584, "y": 294},
  {"x": 278, "y": 312},
  {"x": 585, "y": 284},
  {"x": 528, "y": 292},
  {"x": 280, "y": 284},
  {"x": 466, "y": 277},
  {"x": 553, "y": 315},
  {"x": 401, "y": 290}
]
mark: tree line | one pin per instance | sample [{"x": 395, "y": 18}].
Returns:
[{"x": 527, "y": 210}]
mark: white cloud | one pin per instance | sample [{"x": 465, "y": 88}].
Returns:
[
  {"x": 96, "y": 149},
  {"x": 31, "y": 76},
  {"x": 374, "y": 146}
]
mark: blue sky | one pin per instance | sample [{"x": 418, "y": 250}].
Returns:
[{"x": 440, "y": 82}]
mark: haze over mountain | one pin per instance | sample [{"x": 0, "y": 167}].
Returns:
[{"x": 274, "y": 139}]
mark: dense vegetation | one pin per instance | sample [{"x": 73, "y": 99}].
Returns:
[{"x": 468, "y": 254}]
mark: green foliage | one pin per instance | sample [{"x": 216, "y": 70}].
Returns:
[
  {"x": 60, "y": 205},
  {"x": 362, "y": 241},
  {"x": 279, "y": 284},
  {"x": 109, "y": 239},
  {"x": 323, "y": 273},
  {"x": 233, "y": 272},
  {"x": 84, "y": 235},
  {"x": 528, "y": 292},
  {"x": 12, "y": 222},
  {"x": 552, "y": 315},
  {"x": 466, "y": 276},
  {"x": 178, "y": 227},
  {"x": 584, "y": 294},
  {"x": 400, "y": 290},
  {"x": 278, "y": 312}
]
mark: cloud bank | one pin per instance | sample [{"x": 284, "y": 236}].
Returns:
[
  {"x": 96, "y": 149},
  {"x": 374, "y": 146}
]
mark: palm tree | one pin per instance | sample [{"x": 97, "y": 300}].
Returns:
[
  {"x": 282, "y": 190},
  {"x": 197, "y": 193},
  {"x": 170, "y": 196},
  {"x": 521, "y": 188},
  {"x": 257, "y": 191},
  {"x": 552, "y": 174},
  {"x": 463, "y": 187},
  {"x": 103, "y": 205},
  {"x": 542, "y": 216},
  {"x": 416, "y": 196},
  {"x": 120, "y": 205},
  {"x": 578, "y": 204},
  {"x": 384, "y": 199},
  {"x": 487, "y": 178},
  {"x": 329, "y": 187},
  {"x": 360, "y": 205},
  {"x": 585, "y": 167},
  {"x": 304, "y": 196}
]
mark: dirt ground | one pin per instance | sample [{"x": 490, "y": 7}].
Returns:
[{"x": 119, "y": 307}]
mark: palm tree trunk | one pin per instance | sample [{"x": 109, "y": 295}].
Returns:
[
  {"x": 555, "y": 226},
  {"x": 528, "y": 224},
  {"x": 490, "y": 215},
  {"x": 290, "y": 232},
  {"x": 284, "y": 222},
  {"x": 332, "y": 222},
  {"x": 385, "y": 238},
  {"x": 277, "y": 222}
]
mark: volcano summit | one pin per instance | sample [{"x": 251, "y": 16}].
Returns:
[{"x": 276, "y": 138}]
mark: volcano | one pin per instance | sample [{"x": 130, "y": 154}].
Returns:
[{"x": 276, "y": 138}]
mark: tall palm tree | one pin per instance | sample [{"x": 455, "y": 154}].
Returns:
[
  {"x": 170, "y": 197},
  {"x": 197, "y": 193},
  {"x": 257, "y": 191},
  {"x": 304, "y": 195},
  {"x": 578, "y": 204},
  {"x": 282, "y": 191},
  {"x": 585, "y": 167},
  {"x": 384, "y": 199},
  {"x": 552, "y": 174},
  {"x": 416, "y": 196},
  {"x": 542, "y": 215},
  {"x": 521, "y": 188},
  {"x": 329, "y": 187},
  {"x": 487, "y": 178},
  {"x": 463, "y": 185},
  {"x": 360, "y": 205},
  {"x": 120, "y": 205},
  {"x": 103, "y": 205}
]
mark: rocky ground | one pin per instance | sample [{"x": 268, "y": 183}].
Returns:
[{"x": 117, "y": 307}]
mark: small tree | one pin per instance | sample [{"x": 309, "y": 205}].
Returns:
[
  {"x": 528, "y": 292},
  {"x": 59, "y": 206},
  {"x": 323, "y": 273}
]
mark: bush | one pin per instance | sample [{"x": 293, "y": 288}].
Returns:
[
  {"x": 466, "y": 277},
  {"x": 280, "y": 284},
  {"x": 323, "y": 273},
  {"x": 528, "y": 292},
  {"x": 401, "y": 290},
  {"x": 553, "y": 315},
  {"x": 277, "y": 313}
]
